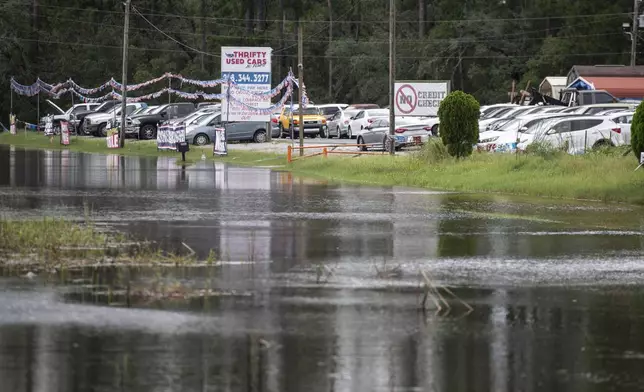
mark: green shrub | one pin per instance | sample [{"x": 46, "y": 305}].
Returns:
[
  {"x": 459, "y": 114},
  {"x": 433, "y": 151},
  {"x": 637, "y": 131},
  {"x": 544, "y": 150}
]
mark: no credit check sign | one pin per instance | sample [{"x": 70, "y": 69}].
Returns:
[
  {"x": 406, "y": 99},
  {"x": 419, "y": 98}
]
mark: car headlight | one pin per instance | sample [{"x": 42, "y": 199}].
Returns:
[
  {"x": 490, "y": 139},
  {"x": 136, "y": 122}
]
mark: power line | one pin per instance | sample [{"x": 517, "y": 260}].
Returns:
[
  {"x": 171, "y": 38},
  {"x": 556, "y": 17},
  {"x": 323, "y": 56},
  {"x": 502, "y": 38}
]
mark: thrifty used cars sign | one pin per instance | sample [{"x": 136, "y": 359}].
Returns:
[
  {"x": 419, "y": 98},
  {"x": 250, "y": 69}
]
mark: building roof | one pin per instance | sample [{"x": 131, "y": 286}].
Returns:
[
  {"x": 621, "y": 87},
  {"x": 608, "y": 70},
  {"x": 554, "y": 81}
]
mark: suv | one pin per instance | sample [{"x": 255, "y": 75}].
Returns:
[
  {"x": 145, "y": 125},
  {"x": 96, "y": 123},
  {"x": 576, "y": 134},
  {"x": 314, "y": 122}
]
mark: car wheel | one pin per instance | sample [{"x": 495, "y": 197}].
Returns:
[
  {"x": 281, "y": 130},
  {"x": 349, "y": 133},
  {"x": 323, "y": 133},
  {"x": 339, "y": 133},
  {"x": 57, "y": 129},
  {"x": 435, "y": 130},
  {"x": 602, "y": 144},
  {"x": 361, "y": 141},
  {"x": 148, "y": 131},
  {"x": 386, "y": 144},
  {"x": 259, "y": 136},
  {"x": 85, "y": 130},
  {"x": 102, "y": 130},
  {"x": 201, "y": 139}
]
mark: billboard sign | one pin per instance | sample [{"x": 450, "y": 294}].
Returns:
[
  {"x": 419, "y": 98},
  {"x": 250, "y": 69}
]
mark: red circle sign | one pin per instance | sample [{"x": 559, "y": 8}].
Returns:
[{"x": 406, "y": 99}]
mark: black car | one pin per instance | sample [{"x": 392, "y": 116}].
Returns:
[
  {"x": 80, "y": 117},
  {"x": 145, "y": 125}
]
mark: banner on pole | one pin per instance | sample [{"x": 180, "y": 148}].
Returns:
[
  {"x": 12, "y": 124},
  {"x": 64, "y": 133},
  {"x": 249, "y": 68},
  {"x": 221, "y": 147},
  {"x": 419, "y": 97},
  {"x": 49, "y": 126},
  {"x": 168, "y": 135},
  {"x": 112, "y": 138}
]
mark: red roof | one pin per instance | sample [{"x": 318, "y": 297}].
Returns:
[{"x": 621, "y": 87}]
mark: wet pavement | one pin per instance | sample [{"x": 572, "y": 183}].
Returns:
[{"x": 557, "y": 287}]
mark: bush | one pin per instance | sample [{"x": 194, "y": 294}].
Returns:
[
  {"x": 459, "y": 114},
  {"x": 433, "y": 151},
  {"x": 637, "y": 131}
]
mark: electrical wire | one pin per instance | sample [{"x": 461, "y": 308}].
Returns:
[{"x": 172, "y": 38}]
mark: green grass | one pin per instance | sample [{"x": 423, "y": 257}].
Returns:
[
  {"x": 596, "y": 176},
  {"x": 136, "y": 148}
]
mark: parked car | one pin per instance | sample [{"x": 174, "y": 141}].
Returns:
[
  {"x": 330, "y": 109},
  {"x": 577, "y": 134},
  {"x": 146, "y": 125},
  {"x": 623, "y": 121},
  {"x": 362, "y": 106},
  {"x": 235, "y": 131},
  {"x": 96, "y": 123},
  {"x": 338, "y": 126},
  {"x": 431, "y": 122},
  {"x": 364, "y": 118},
  {"x": 105, "y": 107},
  {"x": 314, "y": 122},
  {"x": 587, "y": 110},
  {"x": 141, "y": 110},
  {"x": 409, "y": 131},
  {"x": 485, "y": 109},
  {"x": 69, "y": 115}
]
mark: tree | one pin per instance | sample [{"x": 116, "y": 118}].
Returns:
[
  {"x": 459, "y": 114},
  {"x": 637, "y": 131}
]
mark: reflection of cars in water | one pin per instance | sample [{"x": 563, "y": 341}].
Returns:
[
  {"x": 235, "y": 131},
  {"x": 408, "y": 132}
]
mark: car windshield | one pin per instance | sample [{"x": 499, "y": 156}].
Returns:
[
  {"x": 378, "y": 112},
  {"x": 329, "y": 110},
  {"x": 205, "y": 119},
  {"x": 157, "y": 110},
  {"x": 510, "y": 125},
  {"x": 312, "y": 111},
  {"x": 350, "y": 113}
]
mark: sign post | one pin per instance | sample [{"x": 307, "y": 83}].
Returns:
[
  {"x": 64, "y": 133},
  {"x": 419, "y": 98}
]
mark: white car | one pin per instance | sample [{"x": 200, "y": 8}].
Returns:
[
  {"x": 576, "y": 134},
  {"x": 623, "y": 121},
  {"x": 338, "y": 125},
  {"x": 431, "y": 123},
  {"x": 361, "y": 120}
]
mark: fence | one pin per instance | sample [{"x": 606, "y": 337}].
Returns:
[{"x": 331, "y": 149}]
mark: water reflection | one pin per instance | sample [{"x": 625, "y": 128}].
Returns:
[{"x": 557, "y": 300}]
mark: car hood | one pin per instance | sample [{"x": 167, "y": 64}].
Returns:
[
  {"x": 145, "y": 117},
  {"x": 309, "y": 117},
  {"x": 100, "y": 116},
  {"x": 56, "y": 107}
]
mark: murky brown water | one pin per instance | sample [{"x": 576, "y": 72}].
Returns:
[{"x": 557, "y": 287}]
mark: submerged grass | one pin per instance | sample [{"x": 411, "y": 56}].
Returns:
[{"x": 51, "y": 242}]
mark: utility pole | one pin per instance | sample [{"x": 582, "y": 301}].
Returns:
[
  {"x": 392, "y": 76},
  {"x": 634, "y": 31},
  {"x": 126, "y": 31},
  {"x": 300, "y": 81}
]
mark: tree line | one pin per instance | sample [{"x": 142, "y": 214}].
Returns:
[{"x": 479, "y": 45}]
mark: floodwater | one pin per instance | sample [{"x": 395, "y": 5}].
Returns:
[{"x": 556, "y": 287}]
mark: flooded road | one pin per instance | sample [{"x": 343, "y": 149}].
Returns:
[{"x": 557, "y": 287}]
